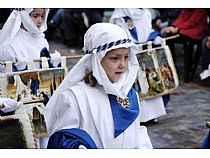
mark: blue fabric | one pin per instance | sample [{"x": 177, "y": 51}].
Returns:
[
  {"x": 124, "y": 117},
  {"x": 14, "y": 68},
  {"x": 133, "y": 30},
  {"x": 45, "y": 53},
  {"x": 206, "y": 142},
  {"x": 166, "y": 99},
  {"x": 34, "y": 86},
  {"x": 70, "y": 139},
  {"x": 153, "y": 35}
]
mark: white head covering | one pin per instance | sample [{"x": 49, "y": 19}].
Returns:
[
  {"x": 141, "y": 20},
  {"x": 13, "y": 23},
  {"x": 98, "y": 40}
]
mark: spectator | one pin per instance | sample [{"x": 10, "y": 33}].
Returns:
[
  {"x": 76, "y": 22},
  {"x": 166, "y": 18},
  {"x": 191, "y": 24},
  {"x": 205, "y": 62}
]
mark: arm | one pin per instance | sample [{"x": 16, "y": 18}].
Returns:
[
  {"x": 73, "y": 138},
  {"x": 68, "y": 134},
  {"x": 67, "y": 113},
  {"x": 193, "y": 20}
]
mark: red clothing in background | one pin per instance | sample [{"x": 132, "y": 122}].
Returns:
[{"x": 192, "y": 23}]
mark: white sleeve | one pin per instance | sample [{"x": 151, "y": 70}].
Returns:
[
  {"x": 67, "y": 112},
  {"x": 158, "y": 40},
  {"x": 7, "y": 55},
  {"x": 56, "y": 58},
  {"x": 8, "y": 104},
  {"x": 144, "y": 141}
]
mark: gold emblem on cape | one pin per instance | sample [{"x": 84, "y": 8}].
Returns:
[
  {"x": 129, "y": 24},
  {"x": 125, "y": 103}
]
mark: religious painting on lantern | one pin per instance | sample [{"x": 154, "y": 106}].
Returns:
[{"x": 157, "y": 75}]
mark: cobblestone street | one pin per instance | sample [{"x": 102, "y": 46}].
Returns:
[{"x": 184, "y": 125}]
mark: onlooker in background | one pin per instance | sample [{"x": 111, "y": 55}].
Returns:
[
  {"x": 76, "y": 22},
  {"x": 166, "y": 18},
  {"x": 54, "y": 22},
  {"x": 191, "y": 24},
  {"x": 205, "y": 62}
]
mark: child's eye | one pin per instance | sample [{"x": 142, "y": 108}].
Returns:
[
  {"x": 114, "y": 58},
  {"x": 126, "y": 57},
  {"x": 35, "y": 16}
]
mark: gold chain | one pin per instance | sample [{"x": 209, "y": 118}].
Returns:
[{"x": 125, "y": 103}]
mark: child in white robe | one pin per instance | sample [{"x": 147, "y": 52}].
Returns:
[
  {"x": 95, "y": 106},
  {"x": 138, "y": 25},
  {"x": 22, "y": 38}
]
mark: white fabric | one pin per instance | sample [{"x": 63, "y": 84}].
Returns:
[
  {"x": 19, "y": 45},
  {"x": 141, "y": 19},
  {"x": 63, "y": 111},
  {"x": 205, "y": 73},
  {"x": 158, "y": 40},
  {"x": 151, "y": 109},
  {"x": 9, "y": 104},
  {"x": 55, "y": 58}
]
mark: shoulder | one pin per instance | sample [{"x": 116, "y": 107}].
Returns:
[{"x": 83, "y": 90}]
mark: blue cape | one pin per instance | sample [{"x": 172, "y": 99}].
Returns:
[{"x": 70, "y": 139}]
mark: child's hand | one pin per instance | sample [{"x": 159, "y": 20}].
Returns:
[
  {"x": 208, "y": 42},
  {"x": 7, "y": 104}
]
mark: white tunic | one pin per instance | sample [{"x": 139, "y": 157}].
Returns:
[
  {"x": 24, "y": 47},
  {"x": 78, "y": 108}
]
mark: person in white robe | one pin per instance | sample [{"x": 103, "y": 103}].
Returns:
[
  {"x": 22, "y": 38},
  {"x": 95, "y": 106},
  {"x": 138, "y": 25}
]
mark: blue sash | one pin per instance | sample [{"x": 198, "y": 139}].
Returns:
[{"x": 124, "y": 117}]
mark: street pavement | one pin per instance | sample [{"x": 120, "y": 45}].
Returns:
[{"x": 184, "y": 125}]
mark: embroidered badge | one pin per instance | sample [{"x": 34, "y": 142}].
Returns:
[{"x": 125, "y": 103}]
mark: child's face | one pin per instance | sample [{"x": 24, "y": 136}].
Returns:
[
  {"x": 37, "y": 15},
  {"x": 115, "y": 63}
]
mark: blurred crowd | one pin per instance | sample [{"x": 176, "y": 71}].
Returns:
[{"x": 192, "y": 25}]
